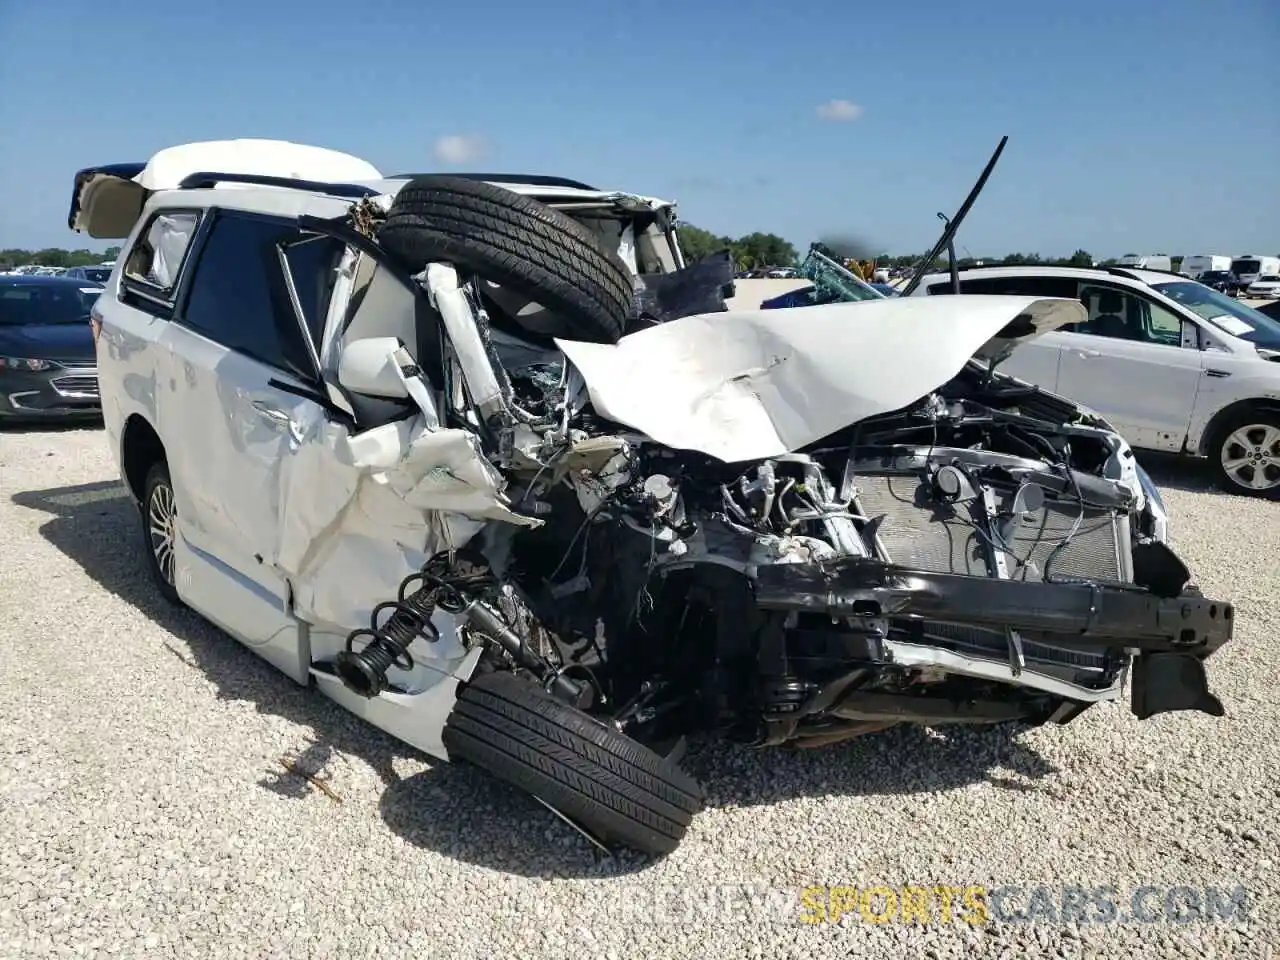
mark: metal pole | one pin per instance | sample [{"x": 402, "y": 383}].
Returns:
[
  {"x": 951, "y": 253},
  {"x": 947, "y": 236}
]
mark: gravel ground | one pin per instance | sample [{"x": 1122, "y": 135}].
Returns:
[{"x": 144, "y": 811}]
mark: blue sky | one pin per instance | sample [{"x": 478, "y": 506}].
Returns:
[{"x": 1142, "y": 126}]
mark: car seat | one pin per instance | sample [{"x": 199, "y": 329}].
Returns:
[{"x": 1110, "y": 321}]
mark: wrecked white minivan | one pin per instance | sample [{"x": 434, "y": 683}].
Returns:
[{"x": 484, "y": 460}]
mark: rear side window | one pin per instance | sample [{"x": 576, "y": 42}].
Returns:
[
  {"x": 157, "y": 257},
  {"x": 1018, "y": 286},
  {"x": 1122, "y": 314},
  {"x": 1022, "y": 286},
  {"x": 155, "y": 262},
  {"x": 239, "y": 296}
]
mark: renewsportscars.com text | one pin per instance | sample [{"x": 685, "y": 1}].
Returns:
[{"x": 976, "y": 905}]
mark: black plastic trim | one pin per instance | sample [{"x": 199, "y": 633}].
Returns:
[
  {"x": 1127, "y": 272},
  {"x": 1101, "y": 615},
  {"x": 1171, "y": 636},
  {"x": 207, "y": 179},
  {"x": 533, "y": 179}
]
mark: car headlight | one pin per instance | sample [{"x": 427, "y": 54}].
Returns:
[
  {"x": 1150, "y": 488},
  {"x": 23, "y": 363},
  {"x": 1157, "y": 515}
]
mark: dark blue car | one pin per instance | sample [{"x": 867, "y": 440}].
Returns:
[{"x": 48, "y": 367}]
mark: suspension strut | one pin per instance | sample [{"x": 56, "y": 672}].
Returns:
[{"x": 486, "y": 620}]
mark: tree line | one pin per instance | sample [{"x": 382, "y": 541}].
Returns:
[
  {"x": 749, "y": 252},
  {"x": 769, "y": 250},
  {"x": 56, "y": 257},
  {"x": 753, "y": 250}
]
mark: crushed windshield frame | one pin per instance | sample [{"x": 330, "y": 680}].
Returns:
[
  {"x": 831, "y": 278},
  {"x": 1209, "y": 304}
]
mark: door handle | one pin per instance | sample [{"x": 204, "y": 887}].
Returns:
[
  {"x": 1088, "y": 354},
  {"x": 269, "y": 412},
  {"x": 1212, "y": 372}
]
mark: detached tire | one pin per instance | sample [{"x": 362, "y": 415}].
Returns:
[
  {"x": 519, "y": 244},
  {"x": 614, "y": 787}
]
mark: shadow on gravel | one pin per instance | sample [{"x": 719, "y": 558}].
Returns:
[
  {"x": 453, "y": 810},
  {"x": 1177, "y": 473},
  {"x": 423, "y": 809},
  {"x": 49, "y": 426}
]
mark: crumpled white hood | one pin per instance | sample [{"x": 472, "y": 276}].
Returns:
[{"x": 754, "y": 384}]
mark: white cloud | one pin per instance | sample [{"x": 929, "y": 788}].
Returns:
[
  {"x": 840, "y": 111},
  {"x": 459, "y": 148}
]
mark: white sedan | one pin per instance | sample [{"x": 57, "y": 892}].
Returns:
[{"x": 1266, "y": 287}]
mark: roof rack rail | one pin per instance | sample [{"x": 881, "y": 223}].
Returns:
[
  {"x": 207, "y": 179},
  {"x": 1119, "y": 271},
  {"x": 1122, "y": 271},
  {"x": 974, "y": 266},
  {"x": 533, "y": 179}
]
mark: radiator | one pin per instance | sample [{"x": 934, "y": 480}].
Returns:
[
  {"x": 915, "y": 531},
  {"x": 1039, "y": 650}
]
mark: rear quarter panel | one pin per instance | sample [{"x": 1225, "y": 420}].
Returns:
[{"x": 127, "y": 357}]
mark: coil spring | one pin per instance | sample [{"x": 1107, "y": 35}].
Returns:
[
  {"x": 393, "y": 626},
  {"x": 386, "y": 641}
]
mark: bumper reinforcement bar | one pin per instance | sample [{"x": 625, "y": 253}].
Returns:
[{"x": 1171, "y": 636}]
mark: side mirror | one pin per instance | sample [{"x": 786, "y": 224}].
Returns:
[{"x": 368, "y": 367}]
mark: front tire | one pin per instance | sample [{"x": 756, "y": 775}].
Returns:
[
  {"x": 159, "y": 514},
  {"x": 611, "y": 785},
  {"x": 1245, "y": 454}
]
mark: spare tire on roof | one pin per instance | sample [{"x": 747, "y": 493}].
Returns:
[{"x": 518, "y": 243}]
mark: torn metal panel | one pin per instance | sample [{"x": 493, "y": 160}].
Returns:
[
  {"x": 757, "y": 384},
  {"x": 448, "y": 297},
  {"x": 359, "y": 513}
]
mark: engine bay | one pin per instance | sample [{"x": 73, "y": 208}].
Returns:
[{"x": 832, "y": 587}]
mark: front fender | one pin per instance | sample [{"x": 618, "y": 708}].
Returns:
[{"x": 1257, "y": 391}]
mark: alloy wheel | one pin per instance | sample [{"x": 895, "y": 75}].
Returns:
[
  {"x": 1250, "y": 456},
  {"x": 161, "y": 530}
]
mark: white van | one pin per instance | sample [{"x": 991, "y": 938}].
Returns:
[
  {"x": 1250, "y": 266},
  {"x": 1145, "y": 262},
  {"x": 1194, "y": 267}
]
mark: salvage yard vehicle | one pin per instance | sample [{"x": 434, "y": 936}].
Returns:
[
  {"x": 1197, "y": 266},
  {"x": 1266, "y": 287},
  {"x": 1249, "y": 267},
  {"x": 833, "y": 282},
  {"x": 1175, "y": 366},
  {"x": 1220, "y": 280},
  {"x": 487, "y": 463},
  {"x": 46, "y": 350}
]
